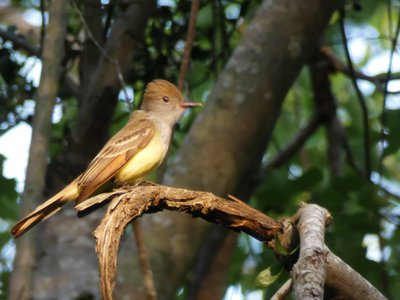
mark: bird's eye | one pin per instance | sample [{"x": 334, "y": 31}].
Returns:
[{"x": 165, "y": 99}]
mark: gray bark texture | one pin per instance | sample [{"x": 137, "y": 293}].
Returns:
[
  {"x": 20, "y": 286},
  {"x": 308, "y": 273}
]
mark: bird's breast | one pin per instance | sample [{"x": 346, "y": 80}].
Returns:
[{"x": 145, "y": 161}]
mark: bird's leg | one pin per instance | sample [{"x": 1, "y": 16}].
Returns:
[
  {"x": 146, "y": 183},
  {"x": 123, "y": 185}
]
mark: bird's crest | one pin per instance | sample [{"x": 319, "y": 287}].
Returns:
[{"x": 159, "y": 88}]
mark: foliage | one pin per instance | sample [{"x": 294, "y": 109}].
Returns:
[
  {"x": 8, "y": 212},
  {"x": 359, "y": 206}
]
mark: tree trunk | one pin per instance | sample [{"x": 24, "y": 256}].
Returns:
[
  {"x": 20, "y": 287},
  {"x": 230, "y": 136}
]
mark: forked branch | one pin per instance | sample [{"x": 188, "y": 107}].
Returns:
[{"x": 128, "y": 203}]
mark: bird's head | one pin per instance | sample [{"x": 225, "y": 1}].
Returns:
[{"x": 163, "y": 98}]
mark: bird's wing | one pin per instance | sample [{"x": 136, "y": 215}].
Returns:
[{"x": 119, "y": 149}]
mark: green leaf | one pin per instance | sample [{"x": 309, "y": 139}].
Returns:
[
  {"x": 268, "y": 276},
  {"x": 281, "y": 250},
  {"x": 204, "y": 17},
  {"x": 8, "y": 196},
  {"x": 393, "y": 117}
]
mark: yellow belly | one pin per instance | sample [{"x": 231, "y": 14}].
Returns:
[{"x": 144, "y": 162}]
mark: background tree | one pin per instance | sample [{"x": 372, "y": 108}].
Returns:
[{"x": 300, "y": 78}]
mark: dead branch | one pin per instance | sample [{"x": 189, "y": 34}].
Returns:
[
  {"x": 131, "y": 202},
  {"x": 308, "y": 273},
  {"x": 316, "y": 261}
]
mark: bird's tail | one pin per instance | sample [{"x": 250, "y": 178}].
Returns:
[{"x": 45, "y": 210}]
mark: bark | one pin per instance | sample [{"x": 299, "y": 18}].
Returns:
[
  {"x": 25, "y": 261},
  {"x": 210, "y": 271},
  {"x": 320, "y": 69},
  {"x": 128, "y": 203},
  {"x": 283, "y": 291},
  {"x": 68, "y": 267},
  {"x": 315, "y": 259},
  {"x": 341, "y": 281},
  {"x": 308, "y": 274},
  {"x": 231, "y": 134},
  {"x": 91, "y": 53}
]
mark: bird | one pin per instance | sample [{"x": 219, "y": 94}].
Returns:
[{"x": 131, "y": 154}]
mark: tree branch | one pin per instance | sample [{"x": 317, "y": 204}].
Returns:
[
  {"x": 360, "y": 98},
  {"x": 295, "y": 144},
  {"x": 189, "y": 44},
  {"x": 130, "y": 202},
  {"x": 308, "y": 273},
  {"x": 326, "y": 105},
  {"x": 151, "y": 293},
  {"x": 20, "y": 42},
  {"x": 340, "y": 66},
  {"x": 283, "y": 291},
  {"x": 341, "y": 281}
]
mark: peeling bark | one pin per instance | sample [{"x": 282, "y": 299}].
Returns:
[
  {"x": 316, "y": 262},
  {"x": 128, "y": 204}
]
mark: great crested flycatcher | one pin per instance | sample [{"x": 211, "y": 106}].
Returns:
[{"x": 132, "y": 153}]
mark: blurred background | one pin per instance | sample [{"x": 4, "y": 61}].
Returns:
[{"x": 316, "y": 86}]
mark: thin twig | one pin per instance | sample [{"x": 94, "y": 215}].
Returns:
[
  {"x": 106, "y": 55},
  {"x": 283, "y": 291},
  {"x": 294, "y": 145},
  {"x": 43, "y": 25},
  {"x": 360, "y": 98},
  {"x": 20, "y": 42},
  {"x": 338, "y": 65},
  {"x": 151, "y": 292},
  {"x": 189, "y": 44},
  {"x": 350, "y": 158}
]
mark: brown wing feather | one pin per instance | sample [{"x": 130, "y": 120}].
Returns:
[{"x": 136, "y": 134}]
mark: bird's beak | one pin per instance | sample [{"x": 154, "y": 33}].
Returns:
[{"x": 190, "y": 104}]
